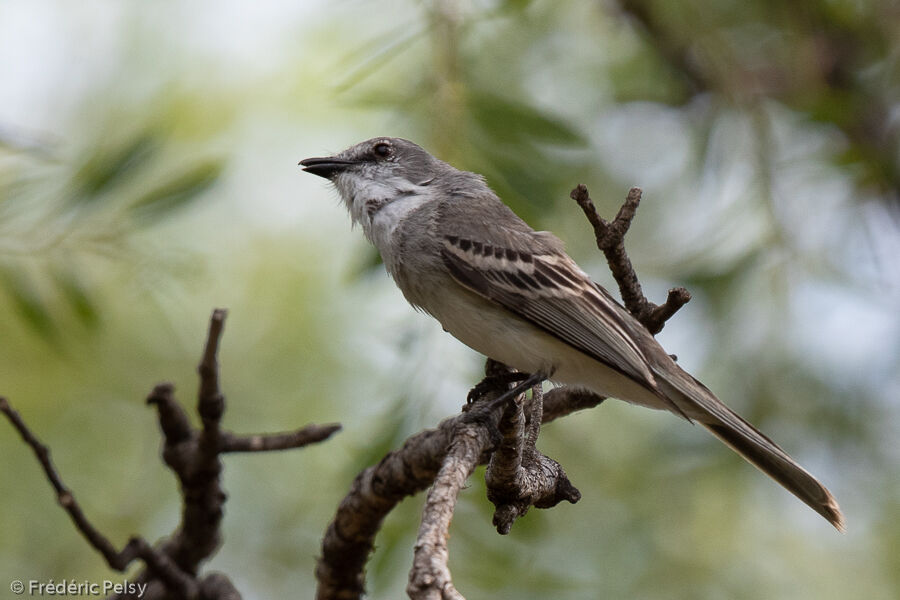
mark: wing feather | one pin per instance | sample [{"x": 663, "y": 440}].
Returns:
[{"x": 549, "y": 290}]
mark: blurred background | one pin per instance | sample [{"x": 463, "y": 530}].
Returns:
[{"x": 148, "y": 173}]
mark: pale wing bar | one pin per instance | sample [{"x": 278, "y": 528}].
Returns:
[{"x": 551, "y": 292}]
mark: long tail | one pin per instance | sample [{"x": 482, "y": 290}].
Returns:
[{"x": 698, "y": 403}]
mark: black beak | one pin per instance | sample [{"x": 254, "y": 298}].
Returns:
[{"x": 327, "y": 166}]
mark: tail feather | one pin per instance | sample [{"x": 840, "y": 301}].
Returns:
[
  {"x": 774, "y": 462},
  {"x": 695, "y": 400}
]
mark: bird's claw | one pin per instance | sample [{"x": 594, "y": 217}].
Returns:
[{"x": 494, "y": 383}]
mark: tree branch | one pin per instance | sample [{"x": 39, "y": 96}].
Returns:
[
  {"x": 429, "y": 577},
  {"x": 610, "y": 237},
  {"x": 171, "y": 567},
  {"x": 118, "y": 560},
  {"x": 288, "y": 440},
  {"x": 350, "y": 536}
]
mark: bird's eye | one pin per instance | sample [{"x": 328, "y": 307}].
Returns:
[{"x": 382, "y": 150}]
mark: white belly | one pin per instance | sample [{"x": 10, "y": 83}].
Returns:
[{"x": 494, "y": 332}]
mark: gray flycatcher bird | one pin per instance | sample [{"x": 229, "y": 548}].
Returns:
[{"x": 512, "y": 293}]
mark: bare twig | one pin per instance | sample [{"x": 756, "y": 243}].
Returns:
[
  {"x": 563, "y": 401},
  {"x": 266, "y": 442},
  {"x": 65, "y": 498},
  {"x": 198, "y": 465},
  {"x": 193, "y": 455},
  {"x": 210, "y": 401},
  {"x": 118, "y": 560},
  {"x": 610, "y": 237}
]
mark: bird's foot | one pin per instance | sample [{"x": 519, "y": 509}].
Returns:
[{"x": 497, "y": 383}]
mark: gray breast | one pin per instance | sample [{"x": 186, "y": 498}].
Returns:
[{"x": 417, "y": 266}]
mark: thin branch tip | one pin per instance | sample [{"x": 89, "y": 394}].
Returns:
[
  {"x": 610, "y": 239},
  {"x": 161, "y": 392},
  {"x": 216, "y": 325},
  {"x": 289, "y": 440},
  {"x": 171, "y": 566}
]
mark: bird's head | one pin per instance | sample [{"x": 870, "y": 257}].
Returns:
[{"x": 377, "y": 171}]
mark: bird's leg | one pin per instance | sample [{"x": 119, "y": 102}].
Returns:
[
  {"x": 494, "y": 382},
  {"x": 535, "y": 415},
  {"x": 530, "y": 381},
  {"x": 518, "y": 476}
]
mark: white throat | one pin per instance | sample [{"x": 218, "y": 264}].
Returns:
[{"x": 380, "y": 206}]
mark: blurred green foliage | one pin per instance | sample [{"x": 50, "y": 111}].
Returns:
[
  {"x": 62, "y": 212},
  {"x": 154, "y": 178}
]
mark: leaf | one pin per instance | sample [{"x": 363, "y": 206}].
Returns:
[
  {"x": 109, "y": 166},
  {"x": 76, "y": 295},
  {"x": 513, "y": 122},
  {"x": 526, "y": 177},
  {"x": 28, "y": 303},
  {"x": 515, "y": 5},
  {"x": 177, "y": 192},
  {"x": 374, "y": 55}
]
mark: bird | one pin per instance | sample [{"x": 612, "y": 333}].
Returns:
[{"x": 461, "y": 255}]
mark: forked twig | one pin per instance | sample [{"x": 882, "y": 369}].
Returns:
[
  {"x": 610, "y": 237},
  {"x": 171, "y": 566}
]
